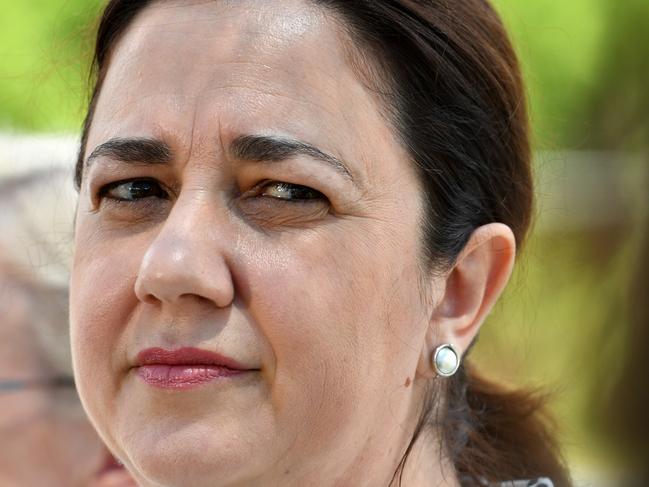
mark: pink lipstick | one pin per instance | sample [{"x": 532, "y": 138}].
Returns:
[{"x": 185, "y": 368}]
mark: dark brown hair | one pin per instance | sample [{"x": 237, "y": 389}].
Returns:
[{"x": 451, "y": 86}]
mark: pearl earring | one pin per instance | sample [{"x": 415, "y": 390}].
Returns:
[{"x": 446, "y": 360}]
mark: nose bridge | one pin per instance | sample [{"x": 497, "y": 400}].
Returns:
[{"x": 189, "y": 255}]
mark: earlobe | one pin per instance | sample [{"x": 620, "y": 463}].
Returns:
[{"x": 471, "y": 288}]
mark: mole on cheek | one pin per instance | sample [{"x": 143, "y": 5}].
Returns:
[{"x": 408, "y": 382}]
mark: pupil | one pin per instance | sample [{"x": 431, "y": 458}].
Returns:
[
  {"x": 299, "y": 192},
  {"x": 140, "y": 189}
]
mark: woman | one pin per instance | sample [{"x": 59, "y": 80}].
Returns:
[
  {"x": 294, "y": 216},
  {"x": 45, "y": 437}
]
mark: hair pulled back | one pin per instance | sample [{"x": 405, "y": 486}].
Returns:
[{"x": 450, "y": 84}]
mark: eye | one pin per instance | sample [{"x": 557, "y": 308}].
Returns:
[
  {"x": 289, "y": 192},
  {"x": 133, "y": 190}
]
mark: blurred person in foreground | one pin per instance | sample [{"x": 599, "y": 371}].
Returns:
[{"x": 45, "y": 437}]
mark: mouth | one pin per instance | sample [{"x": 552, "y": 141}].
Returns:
[{"x": 186, "y": 368}]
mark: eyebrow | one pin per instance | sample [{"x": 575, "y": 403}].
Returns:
[
  {"x": 254, "y": 148},
  {"x": 269, "y": 148},
  {"x": 134, "y": 150}
]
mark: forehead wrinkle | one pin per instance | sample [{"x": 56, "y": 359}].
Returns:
[{"x": 275, "y": 94}]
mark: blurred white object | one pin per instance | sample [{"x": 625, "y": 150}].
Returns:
[
  {"x": 37, "y": 204},
  {"x": 24, "y": 153}
]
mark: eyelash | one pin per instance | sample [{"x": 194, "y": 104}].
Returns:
[{"x": 104, "y": 191}]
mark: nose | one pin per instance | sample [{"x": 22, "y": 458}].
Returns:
[{"x": 187, "y": 258}]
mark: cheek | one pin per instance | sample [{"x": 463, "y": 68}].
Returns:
[
  {"x": 333, "y": 315},
  {"x": 101, "y": 300}
]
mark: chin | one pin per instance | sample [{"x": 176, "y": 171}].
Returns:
[{"x": 188, "y": 456}]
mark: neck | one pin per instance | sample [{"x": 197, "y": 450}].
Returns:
[{"x": 426, "y": 466}]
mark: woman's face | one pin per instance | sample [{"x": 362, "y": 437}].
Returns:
[{"x": 185, "y": 240}]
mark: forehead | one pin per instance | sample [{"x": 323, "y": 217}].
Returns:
[{"x": 190, "y": 70}]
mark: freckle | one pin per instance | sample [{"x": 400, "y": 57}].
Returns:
[
  {"x": 408, "y": 382},
  {"x": 287, "y": 471}
]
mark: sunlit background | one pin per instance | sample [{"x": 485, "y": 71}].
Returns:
[{"x": 572, "y": 319}]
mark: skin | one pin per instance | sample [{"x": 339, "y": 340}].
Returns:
[{"x": 325, "y": 297}]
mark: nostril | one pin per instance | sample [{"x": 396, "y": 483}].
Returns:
[
  {"x": 150, "y": 299},
  {"x": 148, "y": 291}
]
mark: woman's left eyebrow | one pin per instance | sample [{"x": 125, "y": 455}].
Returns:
[{"x": 271, "y": 148}]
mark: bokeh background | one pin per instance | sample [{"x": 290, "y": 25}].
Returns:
[{"x": 574, "y": 319}]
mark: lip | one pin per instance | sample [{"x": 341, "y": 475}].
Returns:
[{"x": 185, "y": 368}]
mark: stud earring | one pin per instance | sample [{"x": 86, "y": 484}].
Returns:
[{"x": 446, "y": 360}]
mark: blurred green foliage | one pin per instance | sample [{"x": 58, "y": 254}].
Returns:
[
  {"x": 559, "y": 44},
  {"x": 617, "y": 107},
  {"x": 44, "y": 48},
  {"x": 586, "y": 67}
]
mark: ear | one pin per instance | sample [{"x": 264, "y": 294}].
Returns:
[{"x": 470, "y": 289}]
